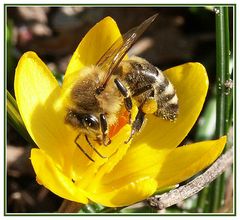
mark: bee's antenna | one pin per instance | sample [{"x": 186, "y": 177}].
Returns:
[
  {"x": 90, "y": 144},
  {"x": 85, "y": 153}
]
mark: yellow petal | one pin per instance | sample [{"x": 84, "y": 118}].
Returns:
[
  {"x": 36, "y": 92},
  {"x": 95, "y": 43},
  {"x": 159, "y": 137},
  {"x": 127, "y": 194},
  {"x": 53, "y": 179},
  {"x": 88, "y": 174},
  {"x": 188, "y": 160},
  {"x": 168, "y": 168}
]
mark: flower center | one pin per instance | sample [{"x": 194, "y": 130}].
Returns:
[{"x": 122, "y": 120}]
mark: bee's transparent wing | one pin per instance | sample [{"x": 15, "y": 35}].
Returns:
[{"x": 113, "y": 56}]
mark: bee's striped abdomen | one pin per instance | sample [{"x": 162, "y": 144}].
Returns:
[
  {"x": 166, "y": 98},
  {"x": 138, "y": 74}
]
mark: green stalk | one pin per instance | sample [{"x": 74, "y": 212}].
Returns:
[
  {"x": 223, "y": 73},
  {"x": 202, "y": 201},
  {"x": 215, "y": 192},
  {"x": 15, "y": 119},
  {"x": 223, "y": 93}
]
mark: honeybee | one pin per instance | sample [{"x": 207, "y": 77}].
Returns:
[{"x": 111, "y": 84}]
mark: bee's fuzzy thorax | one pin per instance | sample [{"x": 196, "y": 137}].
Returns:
[
  {"x": 111, "y": 101},
  {"x": 85, "y": 99},
  {"x": 101, "y": 91}
]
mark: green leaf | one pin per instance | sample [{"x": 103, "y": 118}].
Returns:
[
  {"x": 91, "y": 208},
  {"x": 15, "y": 119}
]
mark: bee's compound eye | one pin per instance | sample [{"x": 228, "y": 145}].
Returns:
[{"x": 91, "y": 121}]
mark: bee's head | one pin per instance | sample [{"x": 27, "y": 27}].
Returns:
[{"x": 86, "y": 122}]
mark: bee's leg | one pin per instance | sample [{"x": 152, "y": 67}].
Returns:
[
  {"x": 137, "y": 124},
  {"x": 90, "y": 144},
  {"x": 127, "y": 99},
  {"x": 104, "y": 129},
  {"x": 141, "y": 90},
  {"x": 80, "y": 148}
]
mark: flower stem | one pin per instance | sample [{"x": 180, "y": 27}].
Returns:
[
  {"x": 214, "y": 194},
  {"x": 201, "y": 202},
  {"x": 223, "y": 93},
  {"x": 111, "y": 210},
  {"x": 223, "y": 73}
]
